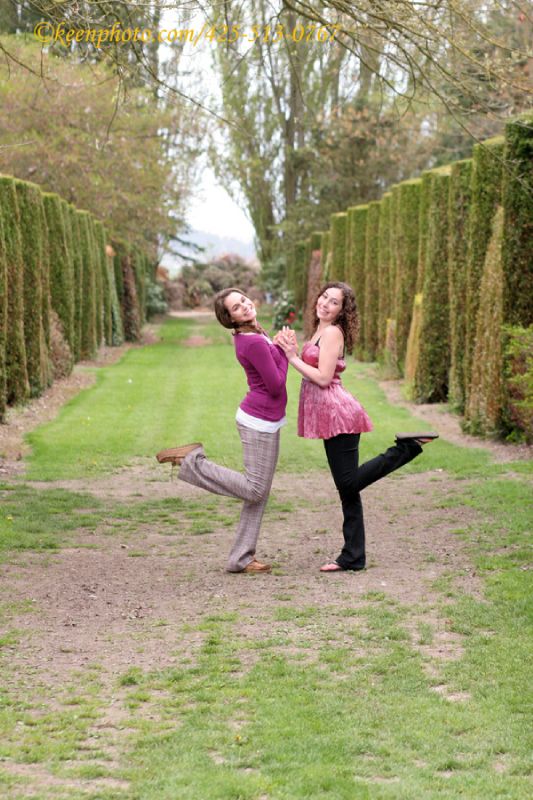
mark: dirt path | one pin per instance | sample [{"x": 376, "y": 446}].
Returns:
[{"x": 136, "y": 599}]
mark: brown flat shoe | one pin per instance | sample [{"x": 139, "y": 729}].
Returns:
[
  {"x": 175, "y": 455},
  {"x": 257, "y": 566}
]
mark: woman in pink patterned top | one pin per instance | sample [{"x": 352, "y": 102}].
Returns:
[{"x": 328, "y": 411}]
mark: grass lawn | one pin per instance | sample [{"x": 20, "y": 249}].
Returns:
[{"x": 283, "y": 698}]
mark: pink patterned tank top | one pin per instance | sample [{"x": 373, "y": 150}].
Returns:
[{"x": 325, "y": 412}]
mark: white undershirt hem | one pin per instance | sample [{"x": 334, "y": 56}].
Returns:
[{"x": 258, "y": 424}]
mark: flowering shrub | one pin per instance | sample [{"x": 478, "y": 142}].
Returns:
[{"x": 284, "y": 310}]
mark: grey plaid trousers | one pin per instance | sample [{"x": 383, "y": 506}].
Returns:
[{"x": 260, "y": 456}]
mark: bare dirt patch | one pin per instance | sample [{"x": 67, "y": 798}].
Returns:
[{"x": 122, "y": 599}]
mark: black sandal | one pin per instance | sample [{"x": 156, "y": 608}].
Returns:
[{"x": 428, "y": 436}]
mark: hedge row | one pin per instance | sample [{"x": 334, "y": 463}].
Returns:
[
  {"x": 59, "y": 299},
  {"x": 426, "y": 280}
]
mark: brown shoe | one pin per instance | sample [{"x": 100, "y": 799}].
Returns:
[
  {"x": 175, "y": 455},
  {"x": 256, "y": 566}
]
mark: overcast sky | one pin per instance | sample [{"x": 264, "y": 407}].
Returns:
[{"x": 212, "y": 209}]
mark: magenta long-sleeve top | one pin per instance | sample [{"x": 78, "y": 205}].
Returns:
[{"x": 265, "y": 365}]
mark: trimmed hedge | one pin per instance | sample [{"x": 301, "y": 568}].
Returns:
[
  {"x": 458, "y": 216},
  {"x": 57, "y": 289},
  {"x": 117, "y": 328},
  {"x": 17, "y": 386},
  {"x": 107, "y": 321},
  {"x": 518, "y": 376},
  {"x": 358, "y": 215},
  {"x": 427, "y": 239},
  {"x": 131, "y": 317},
  {"x": 338, "y": 246},
  {"x": 423, "y": 229},
  {"x": 98, "y": 282},
  {"x": 485, "y": 197},
  {"x": 370, "y": 313},
  {"x": 407, "y": 209},
  {"x": 78, "y": 267},
  {"x": 485, "y": 400},
  {"x": 431, "y": 377},
  {"x": 29, "y": 199},
  {"x": 384, "y": 269},
  {"x": 61, "y": 274},
  {"x": 316, "y": 240},
  {"x": 88, "y": 341},
  {"x": 413, "y": 340},
  {"x": 46, "y": 312},
  {"x": 314, "y": 282},
  {"x": 518, "y": 223},
  {"x": 3, "y": 321},
  {"x": 325, "y": 255},
  {"x": 73, "y": 344},
  {"x": 301, "y": 265}
]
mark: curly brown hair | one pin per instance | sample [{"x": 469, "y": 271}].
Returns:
[{"x": 348, "y": 319}]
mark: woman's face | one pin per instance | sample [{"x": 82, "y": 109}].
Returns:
[
  {"x": 241, "y": 308},
  {"x": 329, "y": 305}
]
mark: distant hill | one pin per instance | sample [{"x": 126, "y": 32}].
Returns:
[{"x": 214, "y": 246}]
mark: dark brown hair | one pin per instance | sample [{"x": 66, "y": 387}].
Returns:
[
  {"x": 348, "y": 319},
  {"x": 224, "y": 317}
]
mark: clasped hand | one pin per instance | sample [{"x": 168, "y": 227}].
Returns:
[{"x": 286, "y": 338}]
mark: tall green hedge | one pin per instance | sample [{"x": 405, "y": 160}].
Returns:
[
  {"x": 117, "y": 328},
  {"x": 56, "y": 269},
  {"x": 45, "y": 263},
  {"x": 518, "y": 222},
  {"x": 61, "y": 273},
  {"x": 338, "y": 246},
  {"x": 88, "y": 342},
  {"x": 3, "y": 321},
  {"x": 423, "y": 229},
  {"x": 17, "y": 386},
  {"x": 29, "y": 200},
  {"x": 106, "y": 287},
  {"x": 98, "y": 282},
  {"x": 485, "y": 196},
  {"x": 301, "y": 264},
  {"x": 67, "y": 222},
  {"x": 485, "y": 399},
  {"x": 412, "y": 350},
  {"x": 358, "y": 216},
  {"x": 406, "y": 216},
  {"x": 77, "y": 266},
  {"x": 458, "y": 217},
  {"x": 316, "y": 240},
  {"x": 431, "y": 378},
  {"x": 325, "y": 255},
  {"x": 384, "y": 268},
  {"x": 370, "y": 314},
  {"x": 131, "y": 316}
]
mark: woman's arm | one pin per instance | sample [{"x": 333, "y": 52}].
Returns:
[
  {"x": 331, "y": 342},
  {"x": 259, "y": 355}
]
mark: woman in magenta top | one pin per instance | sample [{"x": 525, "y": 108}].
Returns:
[
  {"x": 328, "y": 411},
  {"x": 259, "y": 418}
]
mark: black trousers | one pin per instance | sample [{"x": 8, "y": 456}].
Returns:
[{"x": 350, "y": 479}]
